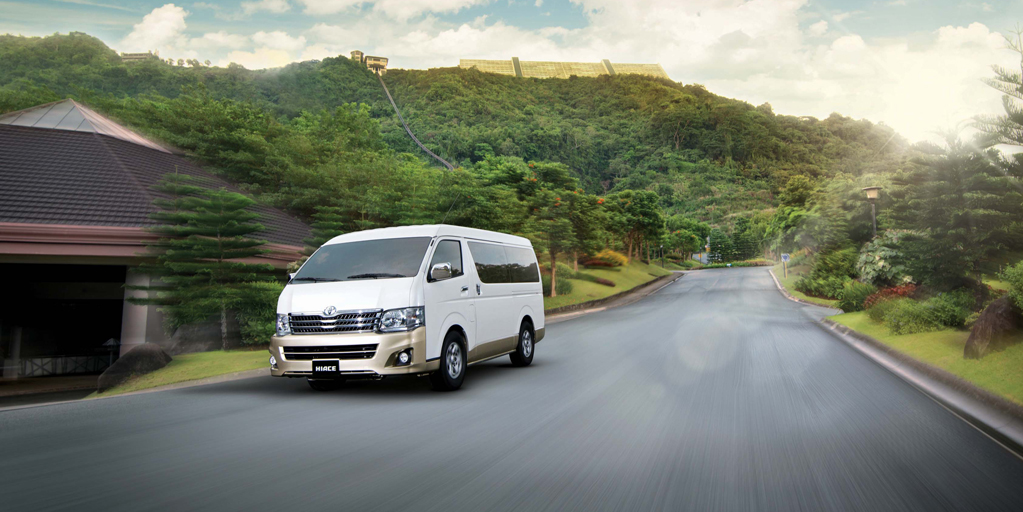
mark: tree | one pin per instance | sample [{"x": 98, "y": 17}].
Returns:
[
  {"x": 720, "y": 246},
  {"x": 965, "y": 214},
  {"x": 1007, "y": 128},
  {"x": 203, "y": 235},
  {"x": 550, "y": 229},
  {"x": 328, "y": 222},
  {"x": 588, "y": 220}
]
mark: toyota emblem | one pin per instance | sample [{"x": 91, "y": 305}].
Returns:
[{"x": 329, "y": 311}]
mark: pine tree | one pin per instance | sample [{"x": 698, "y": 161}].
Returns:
[
  {"x": 328, "y": 222},
  {"x": 550, "y": 229},
  {"x": 203, "y": 235},
  {"x": 965, "y": 213}
]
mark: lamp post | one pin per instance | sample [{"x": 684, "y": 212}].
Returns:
[{"x": 872, "y": 196}]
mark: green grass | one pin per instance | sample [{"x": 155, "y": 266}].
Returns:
[
  {"x": 993, "y": 282},
  {"x": 998, "y": 372},
  {"x": 625, "y": 278},
  {"x": 186, "y": 367},
  {"x": 790, "y": 285}
]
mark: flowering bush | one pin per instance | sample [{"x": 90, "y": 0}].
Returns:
[
  {"x": 886, "y": 294},
  {"x": 616, "y": 259}
]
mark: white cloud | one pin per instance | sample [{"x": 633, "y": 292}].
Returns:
[
  {"x": 819, "y": 29},
  {"x": 278, "y": 40},
  {"x": 396, "y": 9},
  {"x": 539, "y": 3},
  {"x": 276, "y": 6},
  {"x": 162, "y": 27},
  {"x": 259, "y": 59},
  {"x": 218, "y": 40}
]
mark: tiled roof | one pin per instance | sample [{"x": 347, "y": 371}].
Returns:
[
  {"x": 53, "y": 176},
  {"x": 73, "y": 116}
]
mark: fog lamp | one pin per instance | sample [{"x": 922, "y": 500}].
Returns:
[
  {"x": 404, "y": 357},
  {"x": 273, "y": 362}
]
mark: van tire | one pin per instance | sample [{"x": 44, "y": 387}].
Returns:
[
  {"x": 325, "y": 384},
  {"x": 524, "y": 350},
  {"x": 453, "y": 361}
]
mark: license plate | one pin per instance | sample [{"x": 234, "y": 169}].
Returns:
[{"x": 326, "y": 368}]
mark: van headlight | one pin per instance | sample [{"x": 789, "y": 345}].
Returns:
[
  {"x": 402, "y": 319},
  {"x": 283, "y": 324}
]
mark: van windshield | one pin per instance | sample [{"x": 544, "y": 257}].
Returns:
[{"x": 370, "y": 259}]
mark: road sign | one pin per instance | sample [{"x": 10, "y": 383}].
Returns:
[
  {"x": 785, "y": 258},
  {"x": 785, "y": 263}
]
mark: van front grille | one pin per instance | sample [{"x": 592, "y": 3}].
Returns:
[
  {"x": 341, "y": 322},
  {"x": 330, "y": 352}
]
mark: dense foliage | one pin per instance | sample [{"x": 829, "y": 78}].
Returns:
[{"x": 582, "y": 166}]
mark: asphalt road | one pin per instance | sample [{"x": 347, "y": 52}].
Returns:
[{"x": 715, "y": 393}]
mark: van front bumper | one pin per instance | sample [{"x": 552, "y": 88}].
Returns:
[{"x": 381, "y": 364}]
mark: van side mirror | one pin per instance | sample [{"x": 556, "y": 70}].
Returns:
[
  {"x": 440, "y": 272},
  {"x": 291, "y": 275}
]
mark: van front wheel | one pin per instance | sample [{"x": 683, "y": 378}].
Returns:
[
  {"x": 523, "y": 354},
  {"x": 451, "y": 373}
]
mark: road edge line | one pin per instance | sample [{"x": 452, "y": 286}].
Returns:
[{"x": 992, "y": 415}]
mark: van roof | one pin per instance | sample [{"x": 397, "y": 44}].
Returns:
[{"x": 430, "y": 230}]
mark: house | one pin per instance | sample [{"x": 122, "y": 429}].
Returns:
[{"x": 75, "y": 200}]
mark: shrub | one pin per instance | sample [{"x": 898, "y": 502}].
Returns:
[
  {"x": 564, "y": 285},
  {"x": 951, "y": 308},
  {"x": 878, "y": 310},
  {"x": 830, "y": 287},
  {"x": 1014, "y": 276},
  {"x": 597, "y": 264},
  {"x": 854, "y": 294},
  {"x": 565, "y": 271},
  {"x": 746, "y": 263},
  {"x": 907, "y": 316},
  {"x": 881, "y": 262},
  {"x": 616, "y": 259},
  {"x": 257, "y": 311},
  {"x": 892, "y": 292}
]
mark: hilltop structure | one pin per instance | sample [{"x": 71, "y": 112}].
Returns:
[
  {"x": 378, "y": 64},
  {"x": 540, "y": 69},
  {"x": 135, "y": 57}
]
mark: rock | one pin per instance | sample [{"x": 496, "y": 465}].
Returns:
[
  {"x": 997, "y": 328},
  {"x": 140, "y": 360}
]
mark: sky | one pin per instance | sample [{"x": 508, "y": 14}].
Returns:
[{"x": 915, "y": 65}]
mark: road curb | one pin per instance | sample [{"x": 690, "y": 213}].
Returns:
[
  {"x": 998, "y": 418},
  {"x": 619, "y": 299},
  {"x": 216, "y": 379}
]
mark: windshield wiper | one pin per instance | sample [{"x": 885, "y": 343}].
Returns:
[
  {"x": 374, "y": 276},
  {"x": 316, "y": 279}
]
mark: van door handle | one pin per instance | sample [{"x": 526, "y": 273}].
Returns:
[
  {"x": 477, "y": 289},
  {"x": 465, "y": 288}
]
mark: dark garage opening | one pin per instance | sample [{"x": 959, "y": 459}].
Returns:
[{"x": 65, "y": 316}]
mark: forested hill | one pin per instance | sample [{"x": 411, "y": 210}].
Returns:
[{"x": 703, "y": 154}]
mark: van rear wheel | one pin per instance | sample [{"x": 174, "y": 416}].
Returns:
[
  {"x": 523, "y": 354},
  {"x": 326, "y": 384},
  {"x": 451, "y": 373}
]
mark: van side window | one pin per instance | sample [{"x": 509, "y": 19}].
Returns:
[
  {"x": 522, "y": 265},
  {"x": 491, "y": 262},
  {"x": 449, "y": 251}
]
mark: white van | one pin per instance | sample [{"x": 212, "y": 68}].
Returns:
[{"x": 409, "y": 300}]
